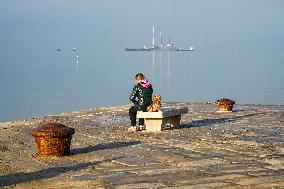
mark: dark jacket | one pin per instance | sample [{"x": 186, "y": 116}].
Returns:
[{"x": 141, "y": 96}]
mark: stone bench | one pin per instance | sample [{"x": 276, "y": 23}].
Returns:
[{"x": 167, "y": 117}]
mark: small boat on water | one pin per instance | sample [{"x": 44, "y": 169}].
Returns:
[{"x": 162, "y": 47}]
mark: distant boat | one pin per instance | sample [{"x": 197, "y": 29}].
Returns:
[
  {"x": 137, "y": 49},
  {"x": 58, "y": 50},
  {"x": 163, "y": 47},
  {"x": 190, "y": 49}
]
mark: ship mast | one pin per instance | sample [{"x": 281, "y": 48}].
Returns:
[
  {"x": 161, "y": 38},
  {"x": 153, "y": 42}
]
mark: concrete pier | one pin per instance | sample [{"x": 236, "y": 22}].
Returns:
[{"x": 239, "y": 149}]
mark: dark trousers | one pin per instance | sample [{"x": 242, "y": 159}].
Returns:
[{"x": 132, "y": 113}]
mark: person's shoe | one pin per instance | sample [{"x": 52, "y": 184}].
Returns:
[
  {"x": 132, "y": 128},
  {"x": 142, "y": 127}
]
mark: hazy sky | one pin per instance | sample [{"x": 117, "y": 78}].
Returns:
[{"x": 208, "y": 25}]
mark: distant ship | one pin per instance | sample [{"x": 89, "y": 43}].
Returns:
[{"x": 163, "y": 47}]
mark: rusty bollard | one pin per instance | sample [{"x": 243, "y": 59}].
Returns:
[
  {"x": 225, "y": 105},
  {"x": 53, "y": 139}
]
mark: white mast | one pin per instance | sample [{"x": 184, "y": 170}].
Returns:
[
  {"x": 161, "y": 38},
  {"x": 153, "y": 42}
]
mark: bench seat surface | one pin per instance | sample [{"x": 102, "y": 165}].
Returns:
[{"x": 163, "y": 113}]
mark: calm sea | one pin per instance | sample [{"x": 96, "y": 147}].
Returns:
[{"x": 51, "y": 81}]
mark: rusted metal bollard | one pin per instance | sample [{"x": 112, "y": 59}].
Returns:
[
  {"x": 53, "y": 139},
  {"x": 225, "y": 105}
]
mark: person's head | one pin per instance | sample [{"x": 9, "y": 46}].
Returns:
[{"x": 139, "y": 77}]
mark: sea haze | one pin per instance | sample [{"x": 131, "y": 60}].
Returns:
[{"x": 239, "y": 53}]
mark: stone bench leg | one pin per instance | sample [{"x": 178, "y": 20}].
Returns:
[
  {"x": 172, "y": 122},
  {"x": 153, "y": 124},
  {"x": 158, "y": 124}
]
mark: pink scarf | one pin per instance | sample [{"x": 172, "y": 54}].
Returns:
[{"x": 145, "y": 83}]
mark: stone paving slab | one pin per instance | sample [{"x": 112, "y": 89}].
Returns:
[{"x": 240, "y": 149}]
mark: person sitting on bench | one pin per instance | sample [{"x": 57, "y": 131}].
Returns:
[{"x": 141, "y": 96}]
